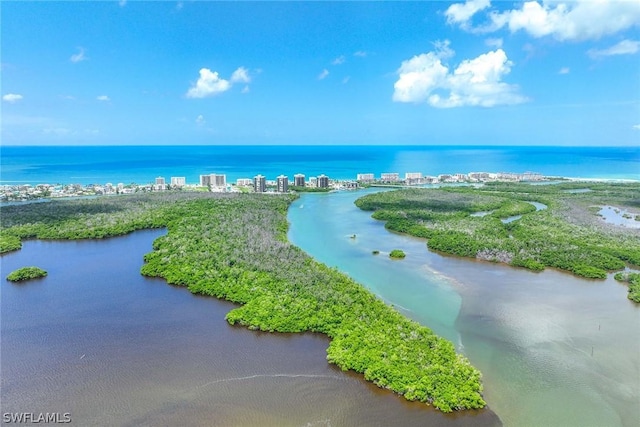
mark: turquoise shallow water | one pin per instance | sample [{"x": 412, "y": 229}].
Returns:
[{"x": 555, "y": 350}]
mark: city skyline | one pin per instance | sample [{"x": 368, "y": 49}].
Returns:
[{"x": 346, "y": 73}]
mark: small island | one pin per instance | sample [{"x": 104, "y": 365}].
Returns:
[
  {"x": 397, "y": 254},
  {"x": 26, "y": 273}
]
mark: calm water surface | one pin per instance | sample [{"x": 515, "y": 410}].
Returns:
[
  {"x": 554, "y": 350},
  {"x": 113, "y": 348}
]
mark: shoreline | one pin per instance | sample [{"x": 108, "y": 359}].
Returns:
[{"x": 28, "y": 195}]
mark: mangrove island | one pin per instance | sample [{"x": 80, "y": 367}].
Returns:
[{"x": 234, "y": 247}]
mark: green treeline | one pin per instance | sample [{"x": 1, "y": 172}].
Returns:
[
  {"x": 26, "y": 273},
  {"x": 234, "y": 247},
  {"x": 633, "y": 279},
  {"x": 468, "y": 221},
  {"x": 305, "y": 189}
]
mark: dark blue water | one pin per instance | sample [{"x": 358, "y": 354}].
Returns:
[{"x": 142, "y": 164}]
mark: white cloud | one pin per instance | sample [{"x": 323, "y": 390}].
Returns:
[
  {"x": 575, "y": 20},
  {"x": 636, "y": 127},
  {"x": 103, "y": 98},
  {"x": 339, "y": 60},
  {"x": 78, "y": 57},
  {"x": 200, "y": 120},
  {"x": 346, "y": 80},
  {"x": 241, "y": 75},
  {"x": 461, "y": 13},
  {"x": 12, "y": 97},
  {"x": 564, "y": 70},
  {"x": 360, "y": 54},
  {"x": 208, "y": 84},
  {"x": 475, "y": 82},
  {"x": 625, "y": 47},
  {"x": 323, "y": 74},
  {"x": 179, "y": 5}
]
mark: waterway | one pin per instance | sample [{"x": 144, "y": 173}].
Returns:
[
  {"x": 555, "y": 350},
  {"x": 97, "y": 340}
]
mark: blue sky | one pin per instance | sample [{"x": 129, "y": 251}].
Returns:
[{"x": 437, "y": 73}]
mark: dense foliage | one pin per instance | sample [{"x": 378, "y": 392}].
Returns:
[
  {"x": 633, "y": 279},
  {"x": 471, "y": 222},
  {"x": 306, "y": 189},
  {"x": 397, "y": 253},
  {"x": 234, "y": 247},
  {"x": 26, "y": 273}
]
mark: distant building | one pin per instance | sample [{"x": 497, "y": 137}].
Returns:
[
  {"x": 244, "y": 182},
  {"x": 430, "y": 179},
  {"x": 413, "y": 175},
  {"x": 412, "y": 178},
  {"x": 313, "y": 181},
  {"x": 213, "y": 180},
  {"x": 390, "y": 177},
  {"x": 365, "y": 177},
  {"x": 219, "y": 180},
  {"x": 259, "y": 184},
  {"x": 283, "y": 184},
  {"x": 323, "y": 181},
  {"x": 178, "y": 181},
  {"x": 298, "y": 180},
  {"x": 532, "y": 176},
  {"x": 160, "y": 184},
  {"x": 479, "y": 176}
]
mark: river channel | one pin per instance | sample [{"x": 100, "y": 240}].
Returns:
[{"x": 554, "y": 350}]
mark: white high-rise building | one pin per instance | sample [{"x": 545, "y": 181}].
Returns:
[
  {"x": 259, "y": 184},
  {"x": 298, "y": 180},
  {"x": 283, "y": 184},
  {"x": 390, "y": 177},
  {"x": 365, "y": 177},
  {"x": 178, "y": 181}
]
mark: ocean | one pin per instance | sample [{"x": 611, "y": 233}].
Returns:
[{"x": 142, "y": 164}]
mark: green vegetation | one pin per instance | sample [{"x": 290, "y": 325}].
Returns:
[
  {"x": 375, "y": 252},
  {"x": 468, "y": 221},
  {"x": 305, "y": 189},
  {"x": 9, "y": 243},
  {"x": 633, "y": 279},
  {"x": 397, "y": 253},
  {"x": 234, "y": 247},
  {"x": 26, "y": 273}
]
